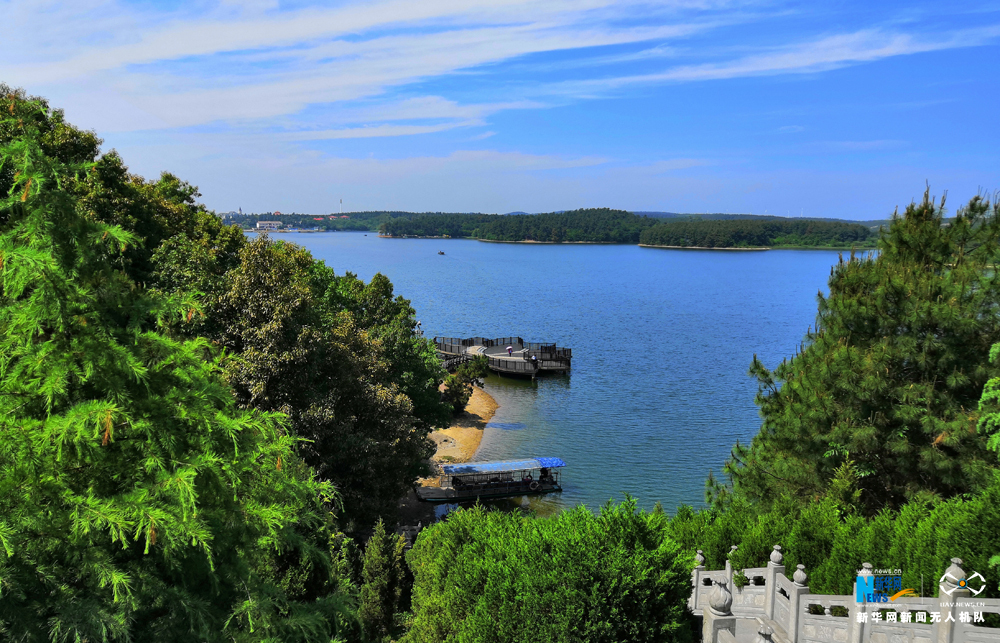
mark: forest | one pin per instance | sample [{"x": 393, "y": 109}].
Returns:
[
  {"x": 595, "y": 225},
  {"x": 603, "y": 225},
  {"x": 758, "y": 233},
  {"x": 354, "y": 221},
  {"x": 205, "y": 437}
]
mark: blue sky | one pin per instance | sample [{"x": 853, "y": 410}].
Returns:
[{"x": 839, "y": 109}]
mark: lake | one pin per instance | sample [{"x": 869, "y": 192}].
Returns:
[{"x": 661, "y": 339}]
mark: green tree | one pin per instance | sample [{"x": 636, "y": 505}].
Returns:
[
  {"x": 989, "y": 421},
  {"x": 368, "y": 419},
  {"x": 493, "y": 576},
  {"x": 382, "y": 576},
  {"x": 458, "y": 386},
  {"x": 412, "y": 360},
  {"x": 298, "y": 351},
  {"x": 136, "y": 502},
  {"x": 891, "y": 377}
]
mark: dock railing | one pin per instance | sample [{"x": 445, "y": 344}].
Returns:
[{"x": 548, "y": 357}]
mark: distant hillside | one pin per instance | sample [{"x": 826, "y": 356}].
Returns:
[
  {"x": 358, "y": 221},
  {"x": 595, "y": 225},
  {"x": 771, "y": 232},
  {"x": 585, "y": 225}
]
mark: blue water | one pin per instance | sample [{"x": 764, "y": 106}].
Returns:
[{"x": 661, "y": 341}]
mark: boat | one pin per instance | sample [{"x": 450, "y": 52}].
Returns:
[
  {"x": 440, "y": 252},
  {"x": 493, "y": 479}
]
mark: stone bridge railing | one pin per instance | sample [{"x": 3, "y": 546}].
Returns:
[{"x": 771, "y": 608}]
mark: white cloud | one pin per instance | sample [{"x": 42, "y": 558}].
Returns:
[
  {"x": 259, "y": 84},
  {"x": 180, "y": 70},
  {"x": 823, "y": 54},
  {"x": 375, "y": 132}
]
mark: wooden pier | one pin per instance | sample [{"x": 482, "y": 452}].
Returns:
[{"x": 508, "y": 355}]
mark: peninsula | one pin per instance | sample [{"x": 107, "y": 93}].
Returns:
[{"x": 618, "y": 226}]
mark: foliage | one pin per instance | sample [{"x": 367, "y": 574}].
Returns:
[
  {"x": 413, "y": 364},
  {"x": 381, "y": 588},
  {"x": 458, "y": 386},
  {"x": 591, "y": 225},
  {"x": 989, "y": 421},
  {"x": 492, "y": 576},
  {"x": 758, "y": 233},
  {"x": 436, "y": 225},
  {"x": 335, "y": 372},
  {"x": 354, "y": 221},
  {"x": 891, "y": 377},
  {"x": 136, "y": 502},
  {"x": 832, "y": 541},
  {"x": 381, "y": 378}
]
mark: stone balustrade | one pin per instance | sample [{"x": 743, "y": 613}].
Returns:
[{"x": 772, "y": 608}]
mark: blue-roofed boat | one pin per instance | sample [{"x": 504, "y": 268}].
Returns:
[{"x": 494, "y": 479}]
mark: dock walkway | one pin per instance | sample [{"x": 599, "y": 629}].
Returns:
[{"x": 524, "y": 358}]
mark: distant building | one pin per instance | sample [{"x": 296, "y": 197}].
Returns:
[
  {"x": 277, "y": 214},
  {"x": 268, "y": 225},
  {"x": 344, "y": 216}
]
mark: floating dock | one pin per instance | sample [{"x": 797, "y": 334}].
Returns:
[{"x": 507, "y": 355}]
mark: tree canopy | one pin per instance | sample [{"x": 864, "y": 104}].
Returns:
[
  {"x": 758, "y": 233},
  {"x": 494, "y": 576},
  {"x": 136, "y": 501},
  {"x": 341, "y": 358},
  {"x": 601, "y": 225},
  {"x": 891, "y": 378}
]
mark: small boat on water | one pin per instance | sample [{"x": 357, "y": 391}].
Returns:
[
  {"x": 440, "y": 252},
  {"x": 494, "y": 479}
]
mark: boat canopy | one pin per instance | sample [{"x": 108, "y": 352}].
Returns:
[{"x": 496, "y": 466}]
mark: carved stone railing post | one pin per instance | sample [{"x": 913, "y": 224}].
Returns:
[
  {"x": 774, "y": 567},
  {"x": 795, "y": 606},
  {"x": 949, "y": 592},
  {"x": 699, "y": 567},
  {"x": 719, "y": 615},
  {"x": 859, "y": 630},
  {"x": 729, "y": 565}
]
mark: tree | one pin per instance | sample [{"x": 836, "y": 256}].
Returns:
[
  {"x": 458, "y": 386},
  {"x": 413, "y": 362},
  {"x": 341, "y": 358},
  {"x": 136, "y": 501},
  {"x": 295, "y": 349},
  {"x": 382, "y": 576},
  {"x": 891, "y": 377},
  {"x": 494, "y": 576}
]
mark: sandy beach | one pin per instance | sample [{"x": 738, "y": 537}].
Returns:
[{"x": 457, "y": 443}]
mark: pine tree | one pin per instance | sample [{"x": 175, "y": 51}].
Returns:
[
  {"x": 891, "y": 377},
  {"x": 381, "y": 583}
]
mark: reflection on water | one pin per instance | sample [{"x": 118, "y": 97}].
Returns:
[{"x": 506, "y": 426}]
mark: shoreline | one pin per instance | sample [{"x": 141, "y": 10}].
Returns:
[
  {"x": 841, "y": 248},
  {"x": 458, "y": 443},
  {"x": 549, "y": 243},
  {"x": 645, "y": 245},
  {"x": 641, "y": 245},
  {"x": 558, "y": 243}
]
